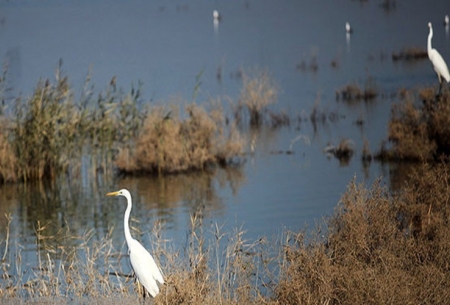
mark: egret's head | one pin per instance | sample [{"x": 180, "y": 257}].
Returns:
[
  {"x": 429, "y": 25},
  {"x": 122, "y": 192}
]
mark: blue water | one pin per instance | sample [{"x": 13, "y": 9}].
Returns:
[{"x": 167, "y": 46}]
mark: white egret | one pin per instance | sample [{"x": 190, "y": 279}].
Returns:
[
  {"x": 438, "y": 62},
  {"x": 216, "y": 16},
  {"x": 144, "y": 266},
  {"x": 348, "y": 28}
]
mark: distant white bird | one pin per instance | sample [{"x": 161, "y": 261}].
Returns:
[
  {"x": 144, "y": 266},
  {"x": 216, "y": 16},
  {"x": 438, "y": 62},
  {"x": 348, "y": 28}
]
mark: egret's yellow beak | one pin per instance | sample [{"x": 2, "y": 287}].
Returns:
[{"x": 113, "y": 194}]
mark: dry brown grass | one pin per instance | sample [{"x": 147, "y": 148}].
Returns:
[
  {"x": 168, "y": 143},
  {"x": 8, "y": 160},
  {"x": 259, "y": 91},
  {"x": 50, "y": 133},
  {"x": 419, "y": 133},
  {"x": 351, "y": 93},
  {"x": 379, "y": 247},
  {"x": 45, "y": 131},
  {"x": 409, "y": 54}
]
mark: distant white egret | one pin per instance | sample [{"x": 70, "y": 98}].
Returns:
[
  {"x": 348, "y": 28},
  {"x": 438, "y": 62},
  {"x": 216, "y": 16},
  {"x": 144, "y": 266}
]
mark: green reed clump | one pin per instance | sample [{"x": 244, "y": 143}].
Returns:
[
  {"x": 419, "y": 133},
  {"x": 50, "y": 131},
  {"x": 45, "y": 136},
  {"x": 169, "y": 142},
  {"x": 8, "y": 159}
]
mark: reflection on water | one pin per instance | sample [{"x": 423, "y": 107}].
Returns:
[{"x": 54, "y": 216}]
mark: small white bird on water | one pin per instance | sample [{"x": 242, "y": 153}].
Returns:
[
  {"x": 144, "y": 266},
  {"x": 216, "y": 16},
  {"x": 348, "y": 28},
  {"x": 438, "y": 62}
]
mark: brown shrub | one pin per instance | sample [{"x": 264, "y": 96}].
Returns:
[
  {"x": 354, "y": 93},
  {"x": 419, "y": 133},
  {"x": 410, "y": 53},
  {"x": 408, "y": 131},
  {"x": 381, "y": 248},
  {"x": 378, "y": 248},
  {"x": 258, "y": 92},
  {"x": 167, "y": 143}
]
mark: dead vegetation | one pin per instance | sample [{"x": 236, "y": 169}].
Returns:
[
  {"x": 419, "y": 132},
  {"x": 168, "y": 143},
  {"x": 379, "y": 247},
  {"x": 354, "y": 93},
  {"x": 259, "y": 91},
  {"x": 51, "y": 131},
  {"x": 343, "y": 151},
  {"x": 410, "y": 54}
]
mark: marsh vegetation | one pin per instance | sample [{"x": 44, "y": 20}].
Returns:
[
  {"x": 377, "y": 243},
  {"x": 379, "y": 247}
]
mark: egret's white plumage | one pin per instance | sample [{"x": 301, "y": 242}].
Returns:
[
  {"x": 216, "y": 16},
  {"x": 348, "y": 28},
  {"x": 438, "y": 62},
  {"x": 446, "y": 20},
  {"x": 144, "y": 266}
]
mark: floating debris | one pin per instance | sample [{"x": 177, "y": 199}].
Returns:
[
  {"x": 353, "y": 92},
  {"x": 412, "y": 53}
]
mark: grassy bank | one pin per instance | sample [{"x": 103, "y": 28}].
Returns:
[{"x": 378, "y": 248}]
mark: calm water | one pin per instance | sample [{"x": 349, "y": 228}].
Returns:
[{"x": 166, "y": 45}]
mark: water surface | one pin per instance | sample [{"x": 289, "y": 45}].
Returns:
[{"x": 167, "y": 46}]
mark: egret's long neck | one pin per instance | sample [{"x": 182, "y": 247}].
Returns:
[
  {"x": 429, "y": 40},
  {"x": 126, "y": 225}
]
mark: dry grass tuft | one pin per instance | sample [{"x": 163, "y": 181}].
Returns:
[
  {"x": 259, "y": 91},
  {"x": 352, "y": 93},
  {"x": 409, "y": 54},
  {"x": 168, "y": 143},
  {"x": 419, "y": 133},
  {"x": 51, "y": 133},
  {"x": 380, "y": 248},
  {"x": 8, "y": 160},
  {"x": 44, "y": 136}
]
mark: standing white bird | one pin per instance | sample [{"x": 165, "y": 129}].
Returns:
[
  {"x": 144, "y": 266},
  {"x": 438, "y": 62},
  {"x": 348, "y": 28},
  {"x": 216, "y": 16}
]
